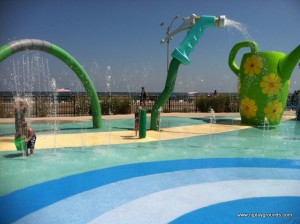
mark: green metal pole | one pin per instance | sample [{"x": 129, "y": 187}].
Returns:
[
  {"x": 165, "y": 95},
  {"x": 143, "y": 123}
]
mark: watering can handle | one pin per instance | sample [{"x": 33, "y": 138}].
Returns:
[{"x": 231, "y": 61}]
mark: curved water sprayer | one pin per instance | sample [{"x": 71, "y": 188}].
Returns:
[{"x": 196, "y": 26}]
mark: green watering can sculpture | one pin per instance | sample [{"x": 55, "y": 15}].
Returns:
[{"x": 263, "y": 82}]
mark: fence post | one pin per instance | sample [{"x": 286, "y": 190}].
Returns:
[
  {"x": 36, "y": 107},
  {"x": 195, "y": 102},
  {"x": 74, "y": 105}
]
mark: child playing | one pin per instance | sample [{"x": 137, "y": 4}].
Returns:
[
  {"x": 137, "y": 120},
  {"x": 30, "y": 138}
]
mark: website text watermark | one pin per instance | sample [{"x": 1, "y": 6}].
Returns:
[{"x": 264, "y": 215}]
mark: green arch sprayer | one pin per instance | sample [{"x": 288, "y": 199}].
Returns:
[{"x": 34, "y": 44}]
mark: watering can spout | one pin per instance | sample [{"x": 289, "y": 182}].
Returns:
[
  {"x": 189, "y": 22},
  {"x": 289, "y": 62}
]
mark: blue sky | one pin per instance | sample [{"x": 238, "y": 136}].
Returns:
[{"x": 118, "y": 42}]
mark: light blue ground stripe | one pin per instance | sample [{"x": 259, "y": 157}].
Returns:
[
  {"x": 93, "y": 203},
  {"x": 165, "y": 206},
  {"x": 28, "y": 200},
  {"x": 265, "y": 210}
]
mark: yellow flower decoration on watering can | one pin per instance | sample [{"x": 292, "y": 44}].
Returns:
[
  {"x": 273, "y": 111},
  {"x": 248, "y": 108},
  {"x": 271, "y": 84},
  {"x": 253, "y": 65},
  {"x": 263, "y": 82}
]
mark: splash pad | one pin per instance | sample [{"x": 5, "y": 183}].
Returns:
[
  {"x": 200, "y": 172},
  {"x": 116, "y": 181}
]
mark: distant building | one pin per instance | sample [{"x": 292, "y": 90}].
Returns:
[{"x": 62, "y": 90}]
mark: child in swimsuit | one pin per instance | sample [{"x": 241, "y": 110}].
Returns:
[
  {"x": 137, "y": 120},
  {"x": 30, "y": 138}
]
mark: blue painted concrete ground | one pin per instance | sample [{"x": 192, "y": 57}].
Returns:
[{"x": 246, "y": 176}]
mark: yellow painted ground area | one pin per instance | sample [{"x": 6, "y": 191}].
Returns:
[{"x": 50, "y": 141}]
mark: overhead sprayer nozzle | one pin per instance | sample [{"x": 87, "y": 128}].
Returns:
[
  {"x": 182, "y": 52},
  {"x": 220, "y": 22}
]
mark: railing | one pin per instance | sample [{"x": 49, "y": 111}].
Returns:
[
  {"x": 293, "y": 102},
  {"x": 79, "y": 105},
  {"x": 48, "y": 106}
]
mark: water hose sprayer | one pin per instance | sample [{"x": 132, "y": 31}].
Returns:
[
  {"x": 220, "y": 22},
  {"x": 196, "y": 25}
]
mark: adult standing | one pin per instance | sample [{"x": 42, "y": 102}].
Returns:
[{"x": 143, "y": 97}]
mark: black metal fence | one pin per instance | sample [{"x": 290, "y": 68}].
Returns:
[
  {"x": 77, "y": 105},
  {"x": 74, "y": 104},
  {"x": 48, "y": 106}
]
